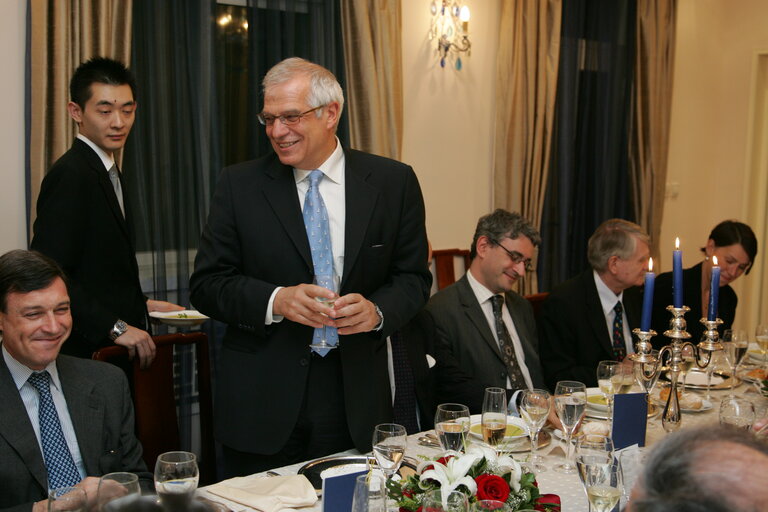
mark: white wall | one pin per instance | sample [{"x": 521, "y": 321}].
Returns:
[{"x": 12, "y": 200}]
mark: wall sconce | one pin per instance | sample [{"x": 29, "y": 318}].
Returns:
[{"x": 450, "y": 26}]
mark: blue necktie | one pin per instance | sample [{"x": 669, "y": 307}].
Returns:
[
  {"x": 62, "y": 471},
  {"x": 319, "y": 234}
]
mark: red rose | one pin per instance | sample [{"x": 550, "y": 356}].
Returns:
[
  {"x": 492, "y": 487},
  {"x": 441, "y": 460},
  {"x": 547, "y": 502}
]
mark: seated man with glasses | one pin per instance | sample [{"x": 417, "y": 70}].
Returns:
[
  {"x": 485, "y": 332},
  {"x": 590, "y": 317}
]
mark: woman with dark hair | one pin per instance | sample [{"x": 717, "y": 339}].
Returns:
[{"x": 735, "y": 245}]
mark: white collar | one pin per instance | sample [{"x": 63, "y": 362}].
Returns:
[
  {"x": 107, "y": 159},
  {"x": 482, "y": 293},
  {"x": 21, "y": 373},
  {"x": 608, "y": 299},
  {"x": 333, "y": 167}
]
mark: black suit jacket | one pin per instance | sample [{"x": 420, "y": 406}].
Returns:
[
  {"x": 79, "y": 224},
  {"x": 662, "y": 297},
  {"x": 468, "y": 356},
  {"x": 573, "y": 333},
  {"x": 254, "y": 241},
  {"x": 102, "y": 414},
  {"x": 418, "y": 336}
]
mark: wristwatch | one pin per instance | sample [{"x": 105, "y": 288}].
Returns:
[{"x": 118, "y": 329}]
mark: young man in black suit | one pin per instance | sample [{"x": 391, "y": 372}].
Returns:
[{"x": 84, "y": 217}]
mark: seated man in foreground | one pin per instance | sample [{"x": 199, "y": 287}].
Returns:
[
  {"x": 708, "y": 468},
  {"x": 65, "y": 421}
]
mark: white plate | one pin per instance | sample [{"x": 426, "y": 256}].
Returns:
[
  {"x": 476, "y": 429},
  {"x": 558, "y": 434},
  {"x": 706, "y": 405},
  {"x": 754, "y": 355},
  {"x": 596, "y": 400},
  {"x": 185, "y": 318}
]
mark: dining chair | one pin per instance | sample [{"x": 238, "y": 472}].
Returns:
[
  {"x": 154, "y": 398},
  {"x": 537, "y": 300},
  {"x": 446, "y": 261}
]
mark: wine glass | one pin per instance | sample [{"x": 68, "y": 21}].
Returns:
[
  {"x": 609, "y": 380},
  {"x": 438, "y": 501},
  {"x": 494, "y": 417},
  {"x": 176, "y": 477},
  {"x": 486, "y": 505},
  {"x": 737, "y": 412},
  {"x": 735, "y": 345},
  {"x": 330, "y": 282},
  {"x": 592, "y": 450},
  {"x": 641, "y": 370},
  {"x": 67, "y": 498},
  {"x": 761, "y": 336},
  {"x": 118, "y": 488},
  {"x": 370, "y": 494},
  {"x": 570, "y": 404},
  {"x": 452, "y": 426},
  {"x": 603, "y": 485},
  {"x": 389, "y": 440},
  {"x": 534, "y": 409}
]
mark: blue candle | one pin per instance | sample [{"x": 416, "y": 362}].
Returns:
[
  {"x": 714, "y": 291},
  {"x": 677, "y": 275},
  {"x": 650, "y": 280}
]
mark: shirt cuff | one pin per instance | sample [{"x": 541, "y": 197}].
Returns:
[
  {"x": 269, "y": 318},
  {"x": 512, "y": 407}
]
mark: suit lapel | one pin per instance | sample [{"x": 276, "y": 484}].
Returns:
[
  {"x": 16, "y": 428},
  {"x": 595, "y": 313},
  {"x": 360, "y": 199},
  {"x": 475, "y": 314}
]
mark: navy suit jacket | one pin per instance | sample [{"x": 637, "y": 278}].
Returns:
[
  {"x": 102, "y": 414},
  {"x": 254, "y": 241}
]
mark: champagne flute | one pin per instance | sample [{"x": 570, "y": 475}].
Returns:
[
  {"x": 603, "y": 484},
  {"x": 389, "y": 440},
  {"x": 592, "y": 450},
  {"x": 609, "y": 380},
  {"x": 370, "y": 494},
  {"x": 117, "y": 489},
  {"x": 761, "y": 336},
  {"x": 735, "y": 346},
  {"x": 329, "y": 282},
  {"x": 534, "y": 408},
  {"x": 452, "y": 426},
  {"x": 494, "y": 417},
  {"x": 67, "y": 498},
  {"x": 737, "y": 412},
  {"x": 176, "y": 477},
  {"x": 438, "y": 501},
  {"x": 570, "y": 404}
]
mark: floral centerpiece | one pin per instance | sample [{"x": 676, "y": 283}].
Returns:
[{"x": 480, "y": 474}]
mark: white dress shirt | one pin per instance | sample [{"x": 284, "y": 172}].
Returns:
[
  {"x": 107, "y": 159},
  {"x": 608, "y": 300}
]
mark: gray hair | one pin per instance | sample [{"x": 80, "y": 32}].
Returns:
[
  {"x": 614, "y": 237},
  {"x": 700, "y": 469},
  {"x": 503, "y": 224},
  {"x": 323, "y": 86}
]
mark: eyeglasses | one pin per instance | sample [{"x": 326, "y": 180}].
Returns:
[
  {"x": 515, "y": 256},
  {"x": 286, "y": 119}
]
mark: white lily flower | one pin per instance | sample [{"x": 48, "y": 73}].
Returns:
[
  {"x": 451, "y": 475},
  {"x": 500, "y": 464}
]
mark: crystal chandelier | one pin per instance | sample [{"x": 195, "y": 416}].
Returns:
[{"x": 450, "y": 27}]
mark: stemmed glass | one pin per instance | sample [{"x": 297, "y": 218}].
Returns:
[
  {"x": 603, "y": 484},
  {"x": 117, "y": 487},
  {"x": 454, "y": 501},
  {"x": 389, "y": 440},
  {"x": 570, "y": 404},
  {"x": 534, "y": 408},
  {"x": 590, "y": 451},
  {"x": 452, "y": 426},
  {"x": 610, "y": 381},
  {"x": 761, "y": 336},
  {"x": 737, "y": 412},
  {"x": 494, "y": 417},
  {"x": 176, "y": 477},
  {"x": 329, "y": 282},
  {"x": 735, "y": 345},
  {"x": 642, "y": 369},
  {"x": 67, "y": 498},
  {"x": 689, "y": 361}
]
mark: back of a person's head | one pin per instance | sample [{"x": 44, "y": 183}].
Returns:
[
  {"x": 98, "y": 70},
  {"x": 614, "y": 237}
]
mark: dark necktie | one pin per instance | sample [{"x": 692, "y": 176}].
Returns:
[
  {"x": 404, "y": 406},
  {"x": 619, "y": 349},
  {"x": 505, "y": 346},
  {"x": 61, "y": 468}
]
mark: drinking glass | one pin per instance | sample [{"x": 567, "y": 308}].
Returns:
[
  {"x": 591, "y": 451},
  {"x": 534, "y": 409},
  {"x": 370, "y": 494},
  {"x": 437, "y": 501},
  {"x": 118, "y": 488},
  {"x": 761, "y": 336},
  {"x": 494, "y": 417},
  {"x": 389, "y": 440},
  {"x": 330, "y": 282},
  {"x": 642, "y": 369},
  {"x": 486, "y": 505},
  {"x": 67, "y": 498},
  {"x": 176, "y": 477},
  {"x": 570, "y": 405},
  {"x": 735, "y": 345},
  {"x": 603, "y": 485},
  {"x": 610, "y": 381},
  {"x": 737, "y": 412},
  {"x": 688, "y": 363},
  {"x": 452, "y": 426}
]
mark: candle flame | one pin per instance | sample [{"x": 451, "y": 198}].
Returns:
[
  {"x": 677, "y": 243},
  {"x": 650, "y": 264},
  {"x": 714, "y": 260}
]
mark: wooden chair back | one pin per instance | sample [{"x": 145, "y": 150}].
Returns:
[
  {"x": 537, "y": 300},
  {"x": 445, "y": 265}
]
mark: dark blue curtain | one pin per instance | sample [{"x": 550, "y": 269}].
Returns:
[{"x": 589, "y": 171}]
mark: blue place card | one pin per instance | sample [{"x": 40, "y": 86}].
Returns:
[
  {"x": 630, "y": 419},
  {"x": 338, "y": 490}
]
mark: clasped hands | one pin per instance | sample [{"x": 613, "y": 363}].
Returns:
[{"x": 350, "y": 314}]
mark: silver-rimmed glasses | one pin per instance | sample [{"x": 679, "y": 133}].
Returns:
[
  {"x": 286, "y": 119},
  {"x": 515, "y": 256}
]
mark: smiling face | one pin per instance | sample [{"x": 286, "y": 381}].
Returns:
[
  {"x": 35, "y": 324},
  {"x": 107, "y": 117},
  {"x": 309, "y": 142},
  {"x": 493, "y": 267}
]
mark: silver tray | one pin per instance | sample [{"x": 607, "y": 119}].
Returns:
[{"x": 313, "y": 470}]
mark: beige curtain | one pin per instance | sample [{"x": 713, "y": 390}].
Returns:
[
  {"x": 529, "y": 51},
  {"x": 652, "y": 100},
  {"x": 65, "y": 33},
  {"x": 373, "y": 59}
]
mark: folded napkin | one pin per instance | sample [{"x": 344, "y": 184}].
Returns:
[{"x": 268, "y": 494}]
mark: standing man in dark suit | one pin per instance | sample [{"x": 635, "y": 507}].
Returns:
[
  {"x": 486, "y": 333},
  {"x": 84, "y": 218},
  {"x": 278, "y": 402},
  {"x": 590, "y": 318},
  {"x": 65, "y": 420}
]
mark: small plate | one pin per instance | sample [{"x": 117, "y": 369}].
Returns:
[
  {"x": 558, "y": 434},
  {"x": 516, "y": 427},
  {"x": 604, "y": 415},
  {"x": 523, "y": 444},
  {"x": 317, "y": 470},
  {"x": 596, "y": 399},
  {"x": 706, "y": 405},
  {"x": 755, "y": 355},
  {"x": 185, "y": 318}
]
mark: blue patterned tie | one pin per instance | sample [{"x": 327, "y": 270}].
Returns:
[
  {"x": 619, "y": 348},
  {"x": 319, "y": 234},
  {"x": 62, "y": 471}
]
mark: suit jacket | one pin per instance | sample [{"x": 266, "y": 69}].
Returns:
[
  {"x": 79, "y": 224},
  {"x": 573, "y": 333},
  {"x": 102, "y": 414},
  {"x": 418, "y": 336},
  {"x": 468, "y": 356},
  {"x": 662, "y": 297},
  {"x": 254, "y": 241}
]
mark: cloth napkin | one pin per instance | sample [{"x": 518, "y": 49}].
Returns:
[{"x": 268, "y": 494}]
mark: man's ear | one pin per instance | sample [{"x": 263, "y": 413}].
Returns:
[
  {"x": 332, "y": 110},
  {"x": 483, "y": 245},
  {"x": 75, "y": 112},
  {"x": 612, "y": 262}
]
